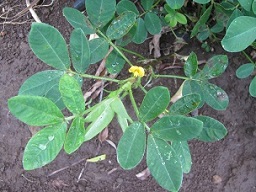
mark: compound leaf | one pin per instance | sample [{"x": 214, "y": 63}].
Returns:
[
  {"x": 114, "y": 62},
  {"x": 49, "y": 45},
  {"x": 75, "y": 135},
  {"x": 72, "y": 94},
  {"x": 147, "y": 4},
  {"x": 120, "y": 26},
  {"x": 46, "y": 84},
  {"x": 182, "y": 151},
  {"x": 191, "y": 65},
  {"x": 154, "y": 103},
  {"x": 252, "y": 87},
  {"x": 202, "y": 20},
  {"x": 78, "y": 20},
  {"x": 215, "y": 97},
  {"x": 213, "y": 130},
  {"x": 240, "y": 34},
  {"x": 80, "y": 51},
  {"x": 185, "y": 105},
  {"x": 164, "y": 164},
  {"x": 126, "y": 5},
  {"x": 100, "y": 119},
  {"x": 245, "y": 70},
  {"x": 131, "y": 147},
  {"x": 175, "y": 4},
  {"x": 100, "y": 12},
  {"x": 152, "y": 23},
  {"x": 44, "y": 146},
  {"x": 177, "y": 127},
  {"x": 35, "y": 110},
  {"x": 98, "y": 48},
  {"x": 141, "y": 32}
]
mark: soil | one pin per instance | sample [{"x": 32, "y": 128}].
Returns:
[{"x": 228, "y": 165}]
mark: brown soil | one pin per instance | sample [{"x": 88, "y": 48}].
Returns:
[{"x": 228, "y": 165}]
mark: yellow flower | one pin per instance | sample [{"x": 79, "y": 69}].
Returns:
[{"x": 137, "y": 71}]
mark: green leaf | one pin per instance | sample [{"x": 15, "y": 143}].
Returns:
[
  {"x": 203, "y": 19},
  {"x": 213, "y": 130},
  {"x": 100, "y": 12},
  {"x": 100, "y": 120},
  {"x": 131, "y": 147},
  {"x": 125, "y": 40},
  {"x": 147, "y": 4},
  {"x": 214, "y": 67},
  {"x": 114, "y": 62},
  {"x": 245, "y": 70},
  {"x": 252, "y": 87},
  {"x": 98, "y": 48},
  {"x": 122, "y": 122},
  {"x": 44, "y": 146},
  {"x": 246, "y": 4},
  {"x": 121, "y": 25},
  {"x": 75, "y": 135},
  {"x": 202, "y": 1},
  {"x": 215, "y": 97},
  {"x": 218, "y": 27},
  {"x": 181, "y": 18},
  {"x": 35, "y": 110},
  {"x": 177, "y": 128},
  {"x": 141, "y": 32},
  {"x": 49, "y": 45},
  {"x": 254, "y": 6},
  {"x": 240, "y": 34},
  {"x": 163, "y": 163},
  {"x": 154, "y": 103},
  {"x": 175, "y": 4},
  {"x": 236, "y": 13},
  {"x": 72, "y": 94},
  {"x": 152, "y": 23},
  {"x": 126, "y": 5},
  {"x": 191, "y": 65},
  {"x": 182, "y": 151},
  {"x": 80, "y": 51},
  {"x": 203, "y": 34},
  {"x": 185, "y": 105},
  {"x": 193, "y": 87},
  {"x": 46, "y": 84},
  {"x": 78, "y": 20},
  {"x": 118, "y": 107}
]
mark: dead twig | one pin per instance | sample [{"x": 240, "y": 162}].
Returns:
[
  {"x": 33, "y": 13},
  {"x": 27, "y": 179}
]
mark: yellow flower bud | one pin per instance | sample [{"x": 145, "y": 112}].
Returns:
[{"x": 137, "y": 71}]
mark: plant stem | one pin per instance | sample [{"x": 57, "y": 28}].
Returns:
[
  {"x": 69, "y": 118},
  {"x": 170, "y": 76},
  {"x": 143, "y": 89},
  {"x": 247, "y": 56},
  {"x": 147, "y": 127},
  {"x": 115, "y": 47},
  {"x": 134, "y": 103},
  {"x": 131, "y": 52},
  {"x": 95, "y": 77}
]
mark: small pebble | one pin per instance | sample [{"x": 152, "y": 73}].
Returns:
[
  {"x": 119, "y": 180},
  {"x": 216, "y": 179}
]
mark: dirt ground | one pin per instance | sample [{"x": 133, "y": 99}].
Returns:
[{"x": 225, "y": 166}]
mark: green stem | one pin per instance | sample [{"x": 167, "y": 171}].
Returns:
[
  {"x": 247, "y": 56},
  {"x": 134, "y": 103},
  {"x": 115, "y": 47},
  {"x": 96, "y": 77},
  {"x": 174, "y": 33},
  {"x": 69, "y": 118},
  {"x": 171, "y": 76},
  {"x": 147, "y": 127},
  {"x": 131, "y": 52},
  {"x": 143, "y": 89}
]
